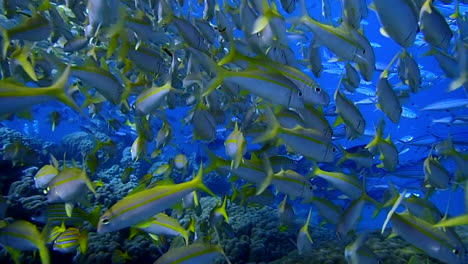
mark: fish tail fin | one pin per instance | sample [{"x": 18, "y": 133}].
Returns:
[
  {"x": 15, "y": 254},
  {"x": 378, "y": 135},
  {"x": 269, "y": 175},
  {"x": 273, "y": 127},
  {"x": 133, "y": 232},
  {"x": 214, "y": 160},
  {"x": 212, "y": 67},
  {"x": 301, "y": 16},
  {"x": 230, "y": 57},
  {"x": 88, "y": 182},
  {"x": 213, "y": 84},
  {"x": 83, "y": 241},
  {"x": 223, "y": 209},
  {"x": 93, "y": 217},
  {"x": 185, "y": 233},
  {"x": 343, "y": 158},
  {"x": 21, "y": 55},
  {"x": 260, "y": 23},
  {"x": 456, "y": 13},
  {"x": 60, "y": 90},
  {"x": 392, "y": 211},
  {"x": 5, "y": 41},
  {"x": 308, "y": 221},
  {"x": 44, "y": 254},
  {"x": 198, "y": 182},
  {"x": 459, "y": 82},
  {"x": 192, "y": 224}
]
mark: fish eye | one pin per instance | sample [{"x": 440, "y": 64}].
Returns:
[
  {"x": 317, "y": 89},
  {"x": 379, "y": 261},
  {"x": 333, "y": 149},
  {"x": 258, "y": 34},
  {"x": 300, "y": 93},
  {"x": 363, "y": 51},
  {"x": 310, "y": 187},
  {"x": 105, "y": 221},
  {"x": 455, "y": 251}
]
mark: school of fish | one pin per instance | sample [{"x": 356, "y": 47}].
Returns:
[{"x": 250, "y": 73}]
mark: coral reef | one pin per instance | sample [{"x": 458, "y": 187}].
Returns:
[{"x": 76, "y": 143}]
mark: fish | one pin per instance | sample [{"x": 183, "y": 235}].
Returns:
[
  {"x": 71, "y": 240},
  {"x": 197, "y": 252},
  {"x": 435, "y": 175},
  {"x": 138, "y": 149},
  {"x": 350, "y": 115},
  {"x": 352, "y": 79},
  {"x": 16, "y": 97},
  {"x": 120, "y": 257},
  {"x": 22, "y": 235},
  {"x": 350, "y": 217},
  {"x": 304, "y": 240},
  {"x": 101, "y": 79},
  {"x": 408, "y": 71},
  {"x": 445, "y": 105},
  {"x": 186, "y": 29},
  {"x": 358, "y": 252},
  {"x": 180, "y": 162},
  {"x": 142, "y": 205},
  {"x": 288, "y": 5},
  {"x": 398, "y": 19},
  {"x": 55, "y": 232},
  {"x": 314, "y": 118},
  {"x": 315, "y": 59},
  {"x": 362, "y": 157},
  {"x": 148, "y": 60},
  {"x": 348, "y": 184},
  {"x": 308, "y": 142},
  {"x": 204, "y": 125},
  {"x": 125, "y": 177},
  {"x": 55, "y": 214},
  {"x": 434, "y": 27},
  {"x": 389, "y": 154},
  {"x": 354, "y": 11},
  {"x": 447, "y": 62},
  {"x": 286, "y": 214},
  {"x": 312, "y": 93},
  {"x": 101, "y": 13},
  {"x": 69, "y": 186},
  {"x": 292, "y": 184},
  {"x": 251, "y": 170},
  {"x": 34, "y": 28},
  {"x": 454, "y": 221},
  {"x": 408, "y": 113},
  {"x": 55, "y": 119},
  {"x": 235, "y": 146},
  {"x": 162, "y": 224},
  {"x": 387, "y": 101},
  {"x": 250, "y": 81},
  {"x": 433, "y": 241},
  {"x": 339, "y": 40},
  {"x": 44, "y": 175},
  {"x": 329, "y": 211},
  {"x": 219, "y": 213}
]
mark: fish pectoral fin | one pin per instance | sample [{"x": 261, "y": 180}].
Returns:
[
  {"x": 69, "y": 209},
  {"x": 384, "y": 33}
]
